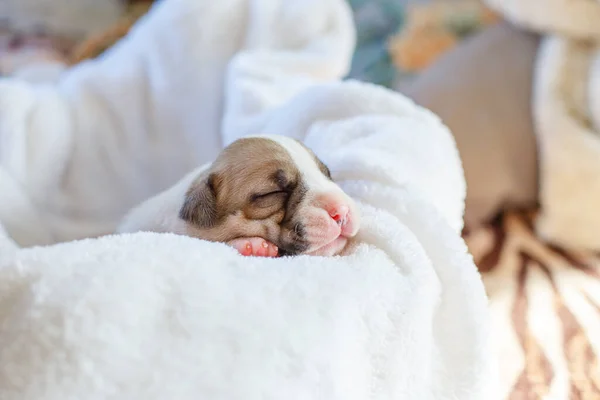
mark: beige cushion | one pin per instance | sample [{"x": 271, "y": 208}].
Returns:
[
  {"x": 567, "y": 116},
  {"x": 482, "y": 91},
  {"x": 577, "y": 19}
]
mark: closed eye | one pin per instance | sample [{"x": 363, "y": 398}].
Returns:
[
  {"x": 258, "y": 196},
  {"x": 273, "y": 200}
]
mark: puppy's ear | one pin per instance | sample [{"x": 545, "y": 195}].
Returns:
[{"x": 200, "y": 205}]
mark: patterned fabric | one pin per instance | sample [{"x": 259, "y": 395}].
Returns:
[{"x": 545, "y": 307}]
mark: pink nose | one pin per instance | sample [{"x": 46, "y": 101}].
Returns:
[
  {"x": 339, "y": 213},
  {"x": 340, "y": 210}
]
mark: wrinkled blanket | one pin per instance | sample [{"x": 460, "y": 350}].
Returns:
[{"x": 154, "y": 316}]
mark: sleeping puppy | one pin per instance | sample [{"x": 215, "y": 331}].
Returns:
[{"x": 264, "y": 195}]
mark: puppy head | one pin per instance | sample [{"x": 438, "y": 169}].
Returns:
[{"x": 275, "y": 188}]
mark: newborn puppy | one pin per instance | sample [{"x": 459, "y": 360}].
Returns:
[{"x": 263, "y": 195}]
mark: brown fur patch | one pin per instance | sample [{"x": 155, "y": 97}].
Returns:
[{"x": 253, "y": 189}]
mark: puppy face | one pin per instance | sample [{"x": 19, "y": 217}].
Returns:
[{"x": 275, "y": 188}]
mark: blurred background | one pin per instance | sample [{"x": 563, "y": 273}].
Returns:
[{"x": 531, "y": 222}]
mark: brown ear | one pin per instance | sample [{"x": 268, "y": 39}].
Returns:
[{"x": 200, "y": 205}]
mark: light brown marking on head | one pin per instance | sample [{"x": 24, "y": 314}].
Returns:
[
  {"x": 271, "y": 187},
  {"x": 249, "y": 191}
]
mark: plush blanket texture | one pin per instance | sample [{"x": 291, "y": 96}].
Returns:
[{"x": 155, "y": 316}]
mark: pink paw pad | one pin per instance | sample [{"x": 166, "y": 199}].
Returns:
[{"x": 258, "y": 247}]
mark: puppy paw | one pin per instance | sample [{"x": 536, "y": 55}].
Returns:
[{"x": 254, "y": 246}]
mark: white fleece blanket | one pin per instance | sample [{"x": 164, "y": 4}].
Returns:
[{"x": 159, "y": 316}]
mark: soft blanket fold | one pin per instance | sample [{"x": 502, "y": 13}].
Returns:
[
  {"x": 116, "y": 119},
  {"x": 154, "y": 316}
]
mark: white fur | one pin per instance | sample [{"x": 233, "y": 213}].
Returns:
[
  {"x": 309, "y": 170},
  {"x": 161, "y": 316},
  {"x": 319, "y": 188},
  {"x": 160, "y": 213}
]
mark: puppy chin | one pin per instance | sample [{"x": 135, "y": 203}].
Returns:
[{"x": 331, "y": 249}]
